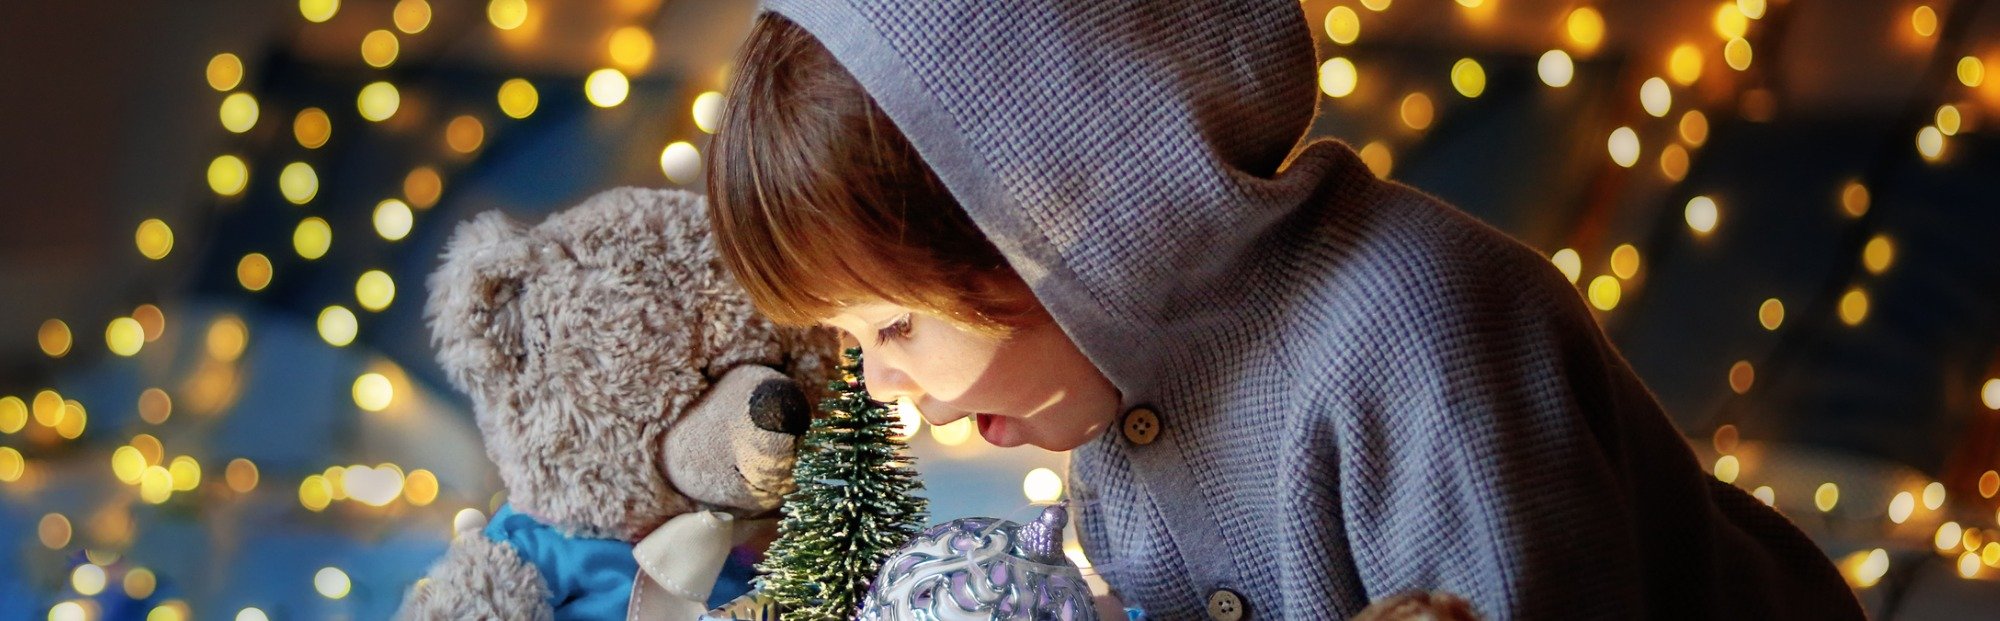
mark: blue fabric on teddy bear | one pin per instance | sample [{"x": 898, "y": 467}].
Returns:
[{"x": 591, "y": 578}]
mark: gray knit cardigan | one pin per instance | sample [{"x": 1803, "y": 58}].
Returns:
[{"x": 1360, "y": 390}]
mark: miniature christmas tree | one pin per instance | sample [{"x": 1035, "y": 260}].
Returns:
[{"x": 851, "y": 509}]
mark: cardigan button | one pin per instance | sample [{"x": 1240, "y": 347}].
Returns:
[
  {"x": 1226, "y": 605},
  {"x": 1141, "y": 426}
]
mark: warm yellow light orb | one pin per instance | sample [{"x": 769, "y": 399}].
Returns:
[
  {"x": 1342, "y": 25},
  {"x": 1338, "y": 77},
  {"x": 681, "y": 162},
  {"x": 318, "y": 11},
  {"x": 1569, "y": 263},
  {"x": 393, "y": 219},
  {"x": 298, "y": 182},
  {"x": 708, "y": 111},
  {"x": 1771, "y": 314},
  {"x": 227, "y": 175},
  {"x": 225, "y": 71},
  {"x": 1623, "y": 146},
  {"x": 1468, "y": 78},
  {"x": 379, "y": 48},
  {"x": 412, "y": 16},
  {"x": 253, "y": 271},
  {"x": 518, "y": 98},
  {"x": 332, "y": 583},
  {"x": 606, "y": 88},
  {"x": 337, "y": 326},
  {"x": 1605, "y": 292},
  {"x": 1684, "y": 64},
  {"x": 1655, "y": 97},
  {"x": 373, "y": 392},
  {"x": 238, "y": 112},
  {"x": 378, "y": 101},
  {"x": 124, "y": 336},
  {"x": 312, "y": 128},
  {"x": 154, "y": 238},
  {"x": 1555, "y": 68},
  {"x": 1586, "y": 29},
  {"x": 507, "y": 14},
  {"x": 1042, "y": 485},
  {"x": 375, "y": 290},
  {"x": 1702, "y": 214},
  {"x": 312, "y": 238},
  {"x": 631, "y": 48}
]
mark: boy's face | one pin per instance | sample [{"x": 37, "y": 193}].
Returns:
[{"x": 1034, "y": 387}]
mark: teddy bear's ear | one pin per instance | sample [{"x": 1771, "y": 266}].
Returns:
[{"x": 475, "y": 318}]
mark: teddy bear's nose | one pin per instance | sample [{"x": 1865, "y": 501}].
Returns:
[{"x": 778, "y": 405}]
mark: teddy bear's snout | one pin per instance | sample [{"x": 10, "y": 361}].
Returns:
[{"x": 778, "y": 405}]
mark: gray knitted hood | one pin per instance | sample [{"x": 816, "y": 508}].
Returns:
[{"x": 1122, "y": 155}]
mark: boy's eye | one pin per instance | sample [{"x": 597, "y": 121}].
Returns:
[{"x": 898, "y": 330}]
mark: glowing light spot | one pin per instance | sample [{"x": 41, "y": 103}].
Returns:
[
  {"x": 13, "y": 415},
  {"x": 1854, "y": 198},
  {"x": 124, "y": 336},
  {"x": 73, "y": 420},
  {"x": 1737, "y": 54},
  {"x": 1376, "y": 156},
  {"x": 1624, "y": 146},
  {"x": 393, "y": 219},
  {"x": 708, "y": 111},
  {"x": 298, "y": 182},
  {"x": 1569, "y": 262},
  {"x": 378, "y": 101},
  {"x": 1878, "y": 254},
  {"x": 156, "y": 485},
  {"x": 139, "y": 583},
  {"x": 1753, "y": 9},
  {"x": 464, "y": 134},
  {"x": 251, "y": 614},
  {"x": 240, "y": 475},
  {"x": 1854, "y": 307},
  {"x": 631, "y": 48},
  {"x": 1376, "y": 5},
  {"x": 312, "y": 238},
  {"x": 1586, "y": 29},
  {"x": 253, "y": 271},
  {"x": 954, "y": 433},
  {"x": 1971, "y": 71},
  {"x": 1417, "y": 111},
  {"x": 1741, "y": 376},
  {"x": 227, "y": 175},
  {"x": 315, "y": 493},
  {"x": 1042, "y": 485},
  {"x": 154, "y": 238},
  {"x": 151, "y": 319},
  {"x": 225, "y": 71},
  {"x": 518, "y": 98},
  {"x": 1343, "y": 26},
  {"x": 606, "y": 87},
  {"x": 1338, "y": 77},
  {"x": 312, "y": 128},
  {"x": 1771, "y": 314},
  {"x": 54, "y": 337},
  {"x": 1655, "y": 97},
  {"x": 186, "y": 473},
  {"x": 373, "y": 392},
  {"x": 423, "y": 187},
  {"x": 238, "y": 112},
  {"x": 332, "y": 582},
  {"x": 1625, "y": 261},
  {"x": 127, "y": 464},
  {"x": 420, "y": 488},
  {"x": 48, "y": 408},
  {"x": 1555, "y": 68},
  {"x": 1923, "y": 20},
  {"x": 1968, "y": 565},
  {"x": 1826, "y": 497},
  {"x": 1989, "y": 394},
  {"x": 1694, "y": 128},
  {"x": 318, "y": 11},
  {"x": 379, "y": 48},
  {"x": 1871, "y": 567},
  {"x": 1702, "y": 214},
  {"x": 1674, "y": 162},
  {"x": 87, "y": 579},
  {"x": 1930, "y": 142},
  {"x": 337, "y": 326},
  {"x": 1727, "y": 468},
  {"x": 412, "y": 16},
  {"x": 12, "y": 464},
  {"x": 1684, "y": 64},
  {"x": 171, "y": 610},
  {"x": 1934, "y": 495},
  {"x": 227, "y": 338},
  {"x": 909, "y": 421},
  {"x": 1989, "y": 484},
  {"x": 1730, "y": 22},
  {"x": 1604, "y": 292},
  {"x": 1468, "y": 78},
  {"x": 507, "y": 14},
  {"x": 681, "y": 162},
  {"x": 72, "y": 611},
  {"x": 1901, "y": 506},
  {"x": 1949, "y": 120},
  {"x": 54, "y": 531},
  {"x": 1766, "y": 494}
]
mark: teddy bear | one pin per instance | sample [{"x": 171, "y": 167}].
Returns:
[{"x": 642, "y": 415}]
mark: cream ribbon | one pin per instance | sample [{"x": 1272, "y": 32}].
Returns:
[{"x": 679, "y": 562}]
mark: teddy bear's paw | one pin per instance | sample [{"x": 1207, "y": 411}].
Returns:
[{"x": 479, "y": 579}]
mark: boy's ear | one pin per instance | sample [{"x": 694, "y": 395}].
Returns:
[{"x": 474, "y": 309}]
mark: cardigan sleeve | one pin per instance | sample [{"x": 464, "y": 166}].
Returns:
[{"x": 1501, "y": 449}]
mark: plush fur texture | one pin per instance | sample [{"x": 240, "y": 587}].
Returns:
[
  {"x": 479, "y": 579},
  {"x": 586, "y": 344}
]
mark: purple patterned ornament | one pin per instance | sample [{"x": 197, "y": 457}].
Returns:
[{"x": 982, "y": 569}]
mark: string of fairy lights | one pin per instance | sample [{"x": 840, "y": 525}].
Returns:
[
  {"x": 1729, "y": 54},
  {"x": 1669, "y": 122}
]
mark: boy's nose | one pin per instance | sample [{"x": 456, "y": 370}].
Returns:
[{"x": 778, "y": 405}]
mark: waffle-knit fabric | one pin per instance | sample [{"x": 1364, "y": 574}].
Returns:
[{"x": 1362, "y": 390}]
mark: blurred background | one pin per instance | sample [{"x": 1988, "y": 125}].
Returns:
[{"x": 217, "y": 398}]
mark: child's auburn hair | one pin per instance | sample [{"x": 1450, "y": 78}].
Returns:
[{"x": 817, "y": 200}]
